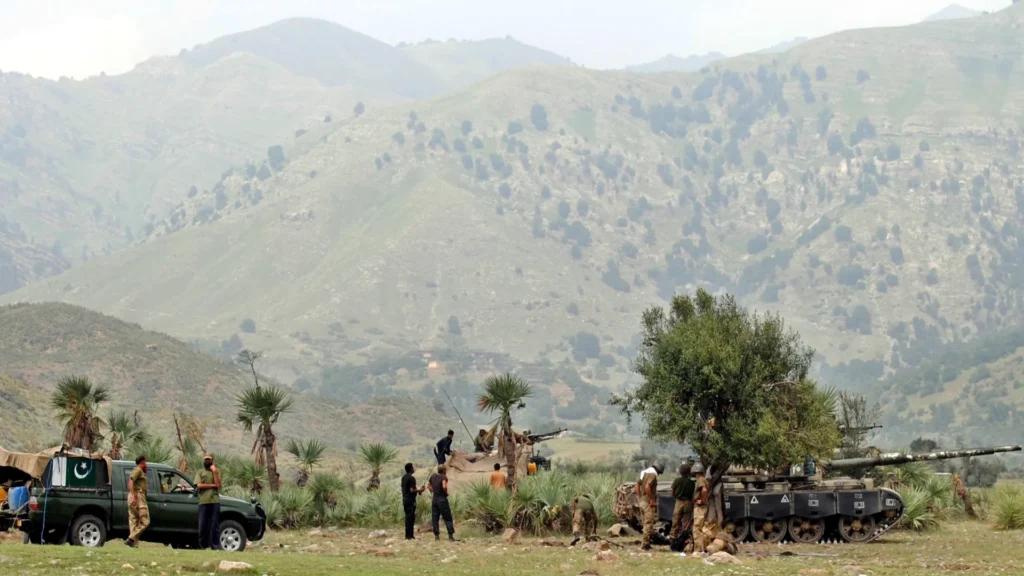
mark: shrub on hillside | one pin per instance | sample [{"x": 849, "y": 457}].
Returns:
[
  {"x": 539, "y": 117},
  {"x": 247, "y": 326}
]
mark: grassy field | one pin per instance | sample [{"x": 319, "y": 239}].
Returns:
[
  {"x": 572, "y": 449},
  {"x": 957, "y": 548}
]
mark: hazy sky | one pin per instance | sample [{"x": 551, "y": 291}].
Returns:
[{"x": 83, "y": 37}]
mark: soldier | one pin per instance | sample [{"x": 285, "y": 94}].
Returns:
[
  {"x": 682, "y": 489},
  {"x": 208, "y": 485},
  {"x": 584, "y": 518},
  {"x": 444, "y": 447},
  {"x": 700, "y": 508},
  {"x": 647, "y": 495},
  {"x": 440, "y": 507},
  {"x": 138, "y": 509},
  {"x": 409, "y": 494}
]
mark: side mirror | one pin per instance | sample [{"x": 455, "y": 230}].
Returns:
[{"x": 252, "y": 500}]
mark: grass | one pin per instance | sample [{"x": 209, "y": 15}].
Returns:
[{"x": 957, "y": 548}]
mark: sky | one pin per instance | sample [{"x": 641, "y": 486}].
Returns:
[{"x": 80, "y": 38}]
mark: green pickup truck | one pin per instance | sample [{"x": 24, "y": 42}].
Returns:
[{"x": 81, "y": 507}]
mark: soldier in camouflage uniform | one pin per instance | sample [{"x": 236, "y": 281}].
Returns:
[
  {"x": 647, "y": 494},
  {"x": 700, "y": 509},
  {"x": 584, "y": 518},
  {"x": 138, "y": 509}
]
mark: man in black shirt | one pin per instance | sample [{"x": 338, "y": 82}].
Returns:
[
  {"x": 409, "y": 494},
  {"x": 444, "y": 447},
  {"x": 440, "y": 508}
]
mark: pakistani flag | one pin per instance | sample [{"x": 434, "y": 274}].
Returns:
[{"x": 73, "y": 472}]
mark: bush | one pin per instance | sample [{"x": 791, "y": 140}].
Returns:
[
  {"x": 820, "y": 74},
  {"x": 582, "y": 207},
  {"x": 613, "y": 279},
  {"x": 1007, "y": 509},
  {"x": 564, "y": 209},
  {"x": 453, "y": 326},
  {"x": 514, "y": 127},
  {"x": 275, "y": 155},
  {"x": 757, "y": 244},
  {"x": 850, "y": 275},
  {"x": 505, "y": 190},
  {"x": 359, "y": 109},
  {"x": 844, "y": 234},
  {"x": 466, "y": 127},
  {"x": 399, "y": 138},
  {"x": 862, "y": 76},
  {"x": 248, "y": 326},
  {"x": 892, "y": 152},
  {"x": 539, "y": 117}
]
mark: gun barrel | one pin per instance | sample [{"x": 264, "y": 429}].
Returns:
[
  {"x": 546, "y": 436},
  {"x": 893, "y": 458}
]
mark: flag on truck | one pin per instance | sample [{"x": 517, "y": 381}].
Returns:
[{"x": 73, "y": 472}]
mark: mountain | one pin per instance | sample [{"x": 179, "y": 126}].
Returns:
[
  {"x": 461, "y": 63},
  {"x": 86, "y": 167},
  {"x": 158, "y": 375},
  {"x": 670, "y": 63},
  {"x": 783, "y": 46},
  {"x": 866, "y": 185},
  {"x": 952, "y": 12},
  {"x": 328, "y": 52}
]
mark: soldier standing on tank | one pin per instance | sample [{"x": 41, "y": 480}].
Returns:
[
  {"x": 700, "y": 508},
  {"x": 647, "y": 494},
  {"x": 682, "y": 489},
  {"x": 584, "y": 518}
]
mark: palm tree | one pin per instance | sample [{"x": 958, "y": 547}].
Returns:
[
  {"x": 376, "y": 456},
  {"x": 260, "y": 407},
  {"x": 502, "y": 395},
  {"x": 309, "y": 454},
  {"x": 153, "y": 448},
  {"x": 125, "y": 432},
  {"x": 77, "y": 401}
]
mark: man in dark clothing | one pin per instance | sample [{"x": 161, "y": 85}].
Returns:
[
  {"x": 444, "y": 447},
  {"x": 440, "y": 508},
  {"x": 682, "y": 490},
  {"x": 409, "y": 494}
]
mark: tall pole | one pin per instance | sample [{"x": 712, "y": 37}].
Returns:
[{"x": 457, "y": 413}]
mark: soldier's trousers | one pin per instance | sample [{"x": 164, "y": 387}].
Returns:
[
  {"x": 138, "y": 517},
  {"x": 699, "y": 514},
  {"x": 585, "y": 522},
  {"x": 441, "y": 509},
  {"x": 680, "y": 518},
  {"x": 650, "y": 518}
]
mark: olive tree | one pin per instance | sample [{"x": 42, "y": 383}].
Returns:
[{"x": 731, "y": 384}]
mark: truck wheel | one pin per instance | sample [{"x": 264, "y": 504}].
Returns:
[
  {"x": 232, "y": 536},
  {"x": 88, "y": 531}
]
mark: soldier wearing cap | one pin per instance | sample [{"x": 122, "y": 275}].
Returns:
[
  {"x": 208, "y": 485},
  {"x": 647, "y": 495}
]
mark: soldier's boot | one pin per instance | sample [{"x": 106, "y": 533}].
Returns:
[
  {"x": 452, "y": 538},
  {"x": 575, "y": 539}
]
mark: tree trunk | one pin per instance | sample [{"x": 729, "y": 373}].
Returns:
[
  {"x": 510, "y": 462},
  {"x": 268, "y": 450},
  {"x": 374, "y": 482},
  {"x": 716, "y": 498}
]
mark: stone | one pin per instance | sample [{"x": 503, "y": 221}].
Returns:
[
  {"x": 391, "y": 541},
  {"x": 229, "y": 566},
  {"x": 606, "y": 556},
  {"x": 314, "y": 532},
  {"x": 621, "y": 530},
  {"x": 127, "y": 567},
  {"x": 510, "y": 535},
  {"x": 54, "y": 562},
  {"x": 597, "y": 546},
  {"x": 379, "y": 534},
  {"x": 722, "y": 558},
  {"x": 450, "y": 559},
  {"x": 551, "y": 543}
]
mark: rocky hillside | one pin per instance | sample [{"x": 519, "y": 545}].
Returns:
[{"x": 866, "y": 185}]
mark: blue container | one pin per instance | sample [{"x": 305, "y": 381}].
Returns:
[{"x": 17, "y": 497}]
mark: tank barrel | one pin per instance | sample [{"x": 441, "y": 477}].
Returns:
[{"x": 894, "y": 458}]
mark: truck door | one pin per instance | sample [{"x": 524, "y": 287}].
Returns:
[
  {"x": 119, "y": 504},
  {"x": 173, "y": 505}
]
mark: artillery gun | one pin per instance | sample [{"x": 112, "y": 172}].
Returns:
[{"x": 799, "y": 502}]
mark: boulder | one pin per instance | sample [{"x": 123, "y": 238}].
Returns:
[
  {"x": 229, "y": 566},
  {"x": 606, "y": 556},
  {"x": 510, "y": 535},
  {"x": 379, "y": 534},
  {"x": 722, "y": 558},
  {"x": 621, "y": 530},
  {"x": 450, "y": 559},
  {"x": 597, "y": 546}
]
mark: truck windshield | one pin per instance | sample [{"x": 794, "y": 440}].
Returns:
[{"x": 173, "y": 482}]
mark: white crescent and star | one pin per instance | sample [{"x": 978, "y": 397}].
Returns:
[{"x": 85, "y": 471}]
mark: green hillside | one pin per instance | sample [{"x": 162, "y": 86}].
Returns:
[
  {"x": 87, "y": 167},
  {"x": 867, "y": 185},
  {"x": 158, "y": 375}
]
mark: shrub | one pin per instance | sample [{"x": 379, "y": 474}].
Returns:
[
  {"x": 862, "y": 76},
  {"x": 453, "y": 326},
  {"x": 399, "y": 138},
  {"x": 820, "y": 74},
  {"x": 1007, "y": 509},
  {"x": 844, "y": 234},
  {"x": 514, "y": 127},
  {"x": 466, "y": 127},
  {"x": 275, "y": 155},
  {"x": 564, "y": 209},
  {"x": 539, "y": 117},
  {"x": 358, "y": 109},
  {"x": 248, "y": 326}
]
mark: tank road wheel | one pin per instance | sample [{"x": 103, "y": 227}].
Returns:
[
  {"x": 770, "y": 531},
  {"x": 738, "y": 530},
  {"x": 806, "y": 530},
  {"x": 856, "y": 529}
]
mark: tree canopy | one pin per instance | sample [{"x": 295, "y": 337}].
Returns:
[{"x": 730, "y": 383}]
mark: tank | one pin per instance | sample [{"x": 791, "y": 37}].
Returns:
[{"x": 798, "y": 503}]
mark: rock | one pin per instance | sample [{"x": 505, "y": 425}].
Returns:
[
  {"x": 722, "y": 558},
  {"x": 606, "y": 556},
  {"x": 6, "y": 560},
  {"x": 379, "y": 534},
  {"x": 229, "y": 566},
  {"x": 450, "y": 559},
  {"x": 314, "y": 532},
  {"x": 811, "y": 571},
  {"x": 597, "y": 546},
  {"x": 621, "y": 530},
  {"x": 310, "y": 548},
  {"x": 589, "y": 573},
  {"x": 552, "y": 543},
  {"x": 425, "y": 527},
  {"x": 391, "y": 541},
  {"x": 127, "y": 567},
  {"x": 510, "y": 535},
  {"x": 152, "y": 563}
]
